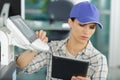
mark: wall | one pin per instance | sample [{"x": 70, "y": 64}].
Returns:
[{"x": 114, "y": 50}]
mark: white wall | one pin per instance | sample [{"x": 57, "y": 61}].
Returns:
[{"x": 114, "y": 52}]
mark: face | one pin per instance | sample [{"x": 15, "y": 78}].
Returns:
[{"x": 81, "y": 32}]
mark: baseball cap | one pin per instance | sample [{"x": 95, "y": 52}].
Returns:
[{"x": 85, "y": 12}]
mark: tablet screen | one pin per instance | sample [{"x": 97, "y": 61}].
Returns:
[{"x": 64, "y": 68}]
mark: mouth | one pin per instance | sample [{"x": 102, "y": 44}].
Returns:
[{"x": 84, "y": 37}]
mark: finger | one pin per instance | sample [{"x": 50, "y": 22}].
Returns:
[
  {"x": 82, "y": 78},
  {"x": 40, "y": 34},
  {"x": 73, "y": 78},
  {"x": 45, "y": 40},
  {"x": 43, "y": 36}
]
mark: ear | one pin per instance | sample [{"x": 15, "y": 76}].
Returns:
[{"x": 70, "y": 22}]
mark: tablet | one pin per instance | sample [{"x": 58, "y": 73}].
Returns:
[{"x": 65, "y": 68}]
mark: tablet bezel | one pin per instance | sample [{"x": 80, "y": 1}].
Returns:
[{"x": 65, "y": 68}]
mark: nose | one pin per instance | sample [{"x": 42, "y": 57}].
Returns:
[{"x": 86, "y": 30}]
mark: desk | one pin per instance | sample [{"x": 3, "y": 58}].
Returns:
[{"x": 45, "y": 25}]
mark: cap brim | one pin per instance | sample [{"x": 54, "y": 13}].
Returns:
[{"x": 98, "y": 23}]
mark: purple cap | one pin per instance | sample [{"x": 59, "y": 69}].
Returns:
[{"x": 85, "y": 13}]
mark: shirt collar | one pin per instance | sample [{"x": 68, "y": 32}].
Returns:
[
  {"x": 86, "y": 51},
  {"x": 89, "y": 48}
]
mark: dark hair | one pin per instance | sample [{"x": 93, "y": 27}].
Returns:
[{"x": 73, "y": 18}]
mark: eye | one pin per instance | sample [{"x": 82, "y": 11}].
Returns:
[
  {"x": 92, "y": 27},
  {"x": 81, "y": 25}
]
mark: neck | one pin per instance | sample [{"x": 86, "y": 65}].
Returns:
[{"x": 74, "y": 47}]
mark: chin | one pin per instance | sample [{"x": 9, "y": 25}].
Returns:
[{"x": 83, "y": 41}]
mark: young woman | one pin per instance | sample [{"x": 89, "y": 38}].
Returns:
[{"x": 84, "y": 17}]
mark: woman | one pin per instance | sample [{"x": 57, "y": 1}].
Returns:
[{"x": 84, "y": 17}]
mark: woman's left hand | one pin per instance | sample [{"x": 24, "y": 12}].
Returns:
[{"x": 79, "y": 78}]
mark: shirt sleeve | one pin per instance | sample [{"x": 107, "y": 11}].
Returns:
[
  {"x": 101, "y": 70},
  {"x": 36, "y": 64}
]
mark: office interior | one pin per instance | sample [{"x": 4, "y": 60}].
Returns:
[{"x": 36, "y": 14}]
